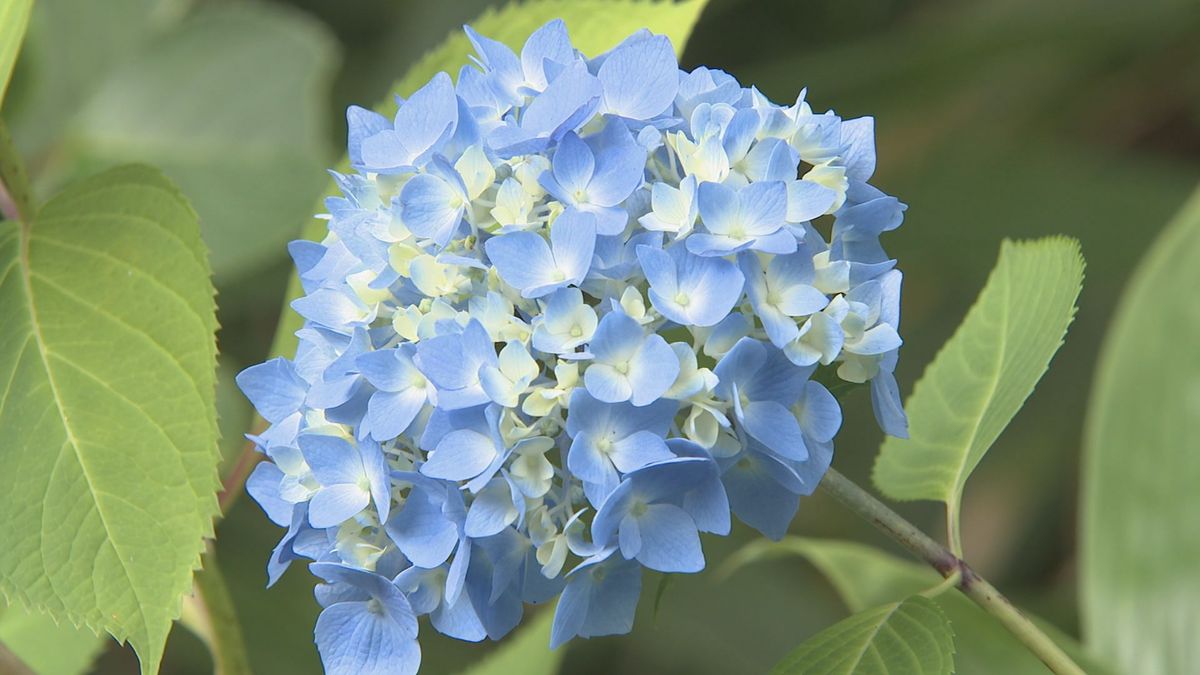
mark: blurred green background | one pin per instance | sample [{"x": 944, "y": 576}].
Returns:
[{"x": 995, "y": 118}]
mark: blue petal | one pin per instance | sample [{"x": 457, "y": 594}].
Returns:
[
  {"x": 333, "y": 460},
  {"x": 523, "y": 260},
  {"x": 740, "y": 132},
  {"x": 606, "y": 384},
  {"x": 355, "y": 641},
  {"x": 422, "y": 532},
  {"x": 599, "y": 599},
  {"x": 670, "y": 541},
  {"x": 573, "y": 240},
  {"x": 360, "y": 124},
  {"x": 775, "y": 427},
  {"x": 713, "y": 287},
  {"x": 667, "y": 480},
  {"x": 460, "y": 455},
  {"x": 772, "y": 159},
  {"x": 718, "y": 205},
  {"x": 502, "y": 63},
  {"x": 263, "y": 486},
  {"x": 331, "y": 506},
  {"x": 820, "y": 414},
  {"x": 383, "y": 369},
  {"x": 390, "y": 413},
  {"x": 620, "y": 167},
  {"x": 572, "y": 168},
  {"x": 566, "y": 104},
  {"x": 618, "y": 337},
  {"x": 858, "y": 139},
  {"x": 492, "y": 510},
  {"x": 426, "y": 119},
  {"x": 431, "y": 207},
  {"x": 588, "y": 463},
  {"x": 807, "y": 200},
  {"x": 637, "y": 450},
  {"x": 640, "y": 78},
  {"x": 332, "y": 309},
  {"x": 889, "y": 411},
  {"x": 458, "y": 620},
  {"x": 550, "y": 42},
  {"x": 707, "y": 503},
  {"x": 756, "y": 498},
  {"x": 715, "y": 245},
  {"x": 652, "y": 371},
  {"x": 763, "y": 207},
  {"x": 274, "y": 388},
  {"x": 378, "y": 477}
]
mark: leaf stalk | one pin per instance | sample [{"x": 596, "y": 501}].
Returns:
[{"x": 949, "y": 565}]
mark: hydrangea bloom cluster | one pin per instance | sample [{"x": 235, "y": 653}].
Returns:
[{"x": 570, "y": 313}]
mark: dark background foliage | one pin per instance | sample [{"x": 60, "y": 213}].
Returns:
[{"x": 995, "y": 118}]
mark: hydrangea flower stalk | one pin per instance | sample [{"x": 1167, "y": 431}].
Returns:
[{"x": 570, "y": 314}]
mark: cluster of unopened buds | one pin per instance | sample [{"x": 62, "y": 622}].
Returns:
[{"x": 570, "y": 313}]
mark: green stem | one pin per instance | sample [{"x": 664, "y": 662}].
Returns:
[
  {"x": 953, "y": 531},
  {"x": 947, "y": 564},
  {"x": 210, "y": 614},
  {"x": 235, "y": 480}
]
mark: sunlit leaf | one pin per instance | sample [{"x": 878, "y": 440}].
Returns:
[
  {"x": 984, "y": 372},
  {"x": 1141, "y": 515},
  {"x": 108, "y": 476},
  {"x": 912, "y": 636},
  {"x": 14, "y": 17}
]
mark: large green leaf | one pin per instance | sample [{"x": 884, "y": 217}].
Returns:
[
  {"x": 528, "y": 652},
  {"x": 912, "y": 636},
  {"x": 1141, "y": 504},
  {"x": 865, "y": 577},
  {"x": 595, "y": 26},
  {"x": 14, "y": 17},
  {"x": 45, "y": 645},
  {"x": 70, "y": 48},
  {"x": 231, "y": 106},
  {"x": 984, "y": 372},
  {"x": 107, "y": 354}
]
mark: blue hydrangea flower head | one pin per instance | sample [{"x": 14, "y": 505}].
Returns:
[{"x": 570, "y": 315}]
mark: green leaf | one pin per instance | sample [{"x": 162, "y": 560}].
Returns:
[
  {"x": 1141, "y": 515},
  {"x": 14, "y": 17},
  {"x": 865, "y": 577},
  {"x": 231, "y": 106},
  {"x": 528, "y": 652},
  {"x": 913, "y": 637},
  {"x": 70, "y": 48},
  {"x": 47, "y": 646},
  {"x": 107, "y": 354},
  {"x": 984, "y": 373},
  {"x": 210, "y": 613},
  {"x": 595, "y": 27}
]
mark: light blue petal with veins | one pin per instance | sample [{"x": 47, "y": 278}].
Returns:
[
  {"x": 669, "y": 539},
  {"x": 331, "y": 506},
  {"x": 460, "y": 455}
]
